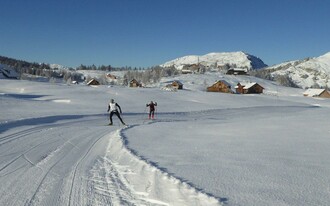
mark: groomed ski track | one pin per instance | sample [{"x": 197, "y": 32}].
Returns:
[{"x": 47, "y": 162}]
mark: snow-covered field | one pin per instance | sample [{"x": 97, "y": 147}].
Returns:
[{"x": 202, "y": 149}]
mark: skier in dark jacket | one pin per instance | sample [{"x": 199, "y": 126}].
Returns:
[
  {"x": 113, "y": 108},
  {"x": 152, "y": 106}
]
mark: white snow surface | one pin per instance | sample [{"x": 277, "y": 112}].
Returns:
[
  {"x": 203, "y": 148},
  {"x": 240, "y": 59}
]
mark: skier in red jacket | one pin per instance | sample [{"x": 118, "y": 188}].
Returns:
[{"x": 152, "y": 106}]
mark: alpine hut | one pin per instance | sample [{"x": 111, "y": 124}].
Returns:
[
  {"x": 220, "y": 86},
  {"x": 176, "y": 85},
  {"x": 93, "y": 82},
  {"x": 317, "y": 93},
  {"x": 134, "y": 83},
  {"x": 249, "y": 88}
]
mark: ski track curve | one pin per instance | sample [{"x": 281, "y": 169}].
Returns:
[
  {"x": 53, "y": 164},
  {"x": 122, "y": 178}
]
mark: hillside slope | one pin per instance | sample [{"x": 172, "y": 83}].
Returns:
[{"x": 310, "y": 72}]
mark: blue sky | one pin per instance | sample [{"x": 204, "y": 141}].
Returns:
[{"x": 143, "y": 33}]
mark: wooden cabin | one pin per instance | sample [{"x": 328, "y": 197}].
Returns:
[
  {"x": 249, "y": 88},
  {"x": 220, "y": 86},
  {"x": 176, "y": 85},
  {"x": 134, "y": 83},
  {"x": 93, "y": 82},
  {"x": 323, "y": 93}
]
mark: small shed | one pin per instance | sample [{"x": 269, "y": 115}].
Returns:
[
  {"x": 134, "y": 83},
  {"x": 176, "y": 85},
  {"x": 220, "y": 86},
  {"x": 249, "y": 88},
  {"x": 93, "y": 82},
  {"x": 317, "y": 93}
]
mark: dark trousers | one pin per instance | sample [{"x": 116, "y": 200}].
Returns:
[
  {"x": 118, "y": 115},
  {"x": 151, "y": 114}
]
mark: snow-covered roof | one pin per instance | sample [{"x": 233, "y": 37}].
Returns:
[
  {"x": 177, "y": 81},
  {"x": 249, "y": 85},
  {"x": 237, "y": 69},
  {"x": 92, "y": 80},
  {"x": 224, "y": 81},
  {"x": 313, "y": 92}
]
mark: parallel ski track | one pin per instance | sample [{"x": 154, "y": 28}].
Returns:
[
  {"x": 38, "y": 129},
  {"x": 59, "y": 160},
  {"x": 43, "y": 179},
  {"x": 78, "y": 163},
  {"x": 47, "y": 173},
  {"x": 24, "y": 133},
  {"x": 21, "y": 155},
  {"x": 21, "y": 134}
]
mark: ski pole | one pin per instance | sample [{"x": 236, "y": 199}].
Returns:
[
  {"x": 144, "y": 111},
  {"x": 155, "y": 112}
]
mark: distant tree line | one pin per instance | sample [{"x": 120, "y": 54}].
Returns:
[
  {"x": 19, "y": 64},
  {"x": 108, "y": 68},
  {"x": 144, "y": 75}
]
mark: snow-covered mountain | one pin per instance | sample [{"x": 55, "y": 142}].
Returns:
[
  {"x": 219, "y": 60},
  {"x": 310, "y": 72}
]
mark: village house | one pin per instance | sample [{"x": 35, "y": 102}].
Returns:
[
  {"x": 134, "y": 83},
  {"x": 175, "y": 85},
  {"x": 93, "y": 82},
  {"x": 249, "y": 88},
  {"x": 220, "y": 86},
  {"x": 323, "y": 93}
]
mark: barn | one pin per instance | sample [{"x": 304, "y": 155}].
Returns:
[
  {"x": 249, "y": 88},
  {"x": 323, "y": 93},
  {"x": 220, "y": 86}
]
